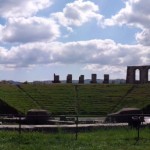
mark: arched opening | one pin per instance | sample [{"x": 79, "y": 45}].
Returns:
[
  {"x": 137, "y": 75},
  {"x": 148, "y": 74}
]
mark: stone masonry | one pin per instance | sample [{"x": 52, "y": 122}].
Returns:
[
  {"x": 143, "y": 74},
  {"x": 69, "y": 78},
  {"x": 106, "y": 78},
  {"x": 93, "y": 78},
  {"x": 81, "y": 79},
  {"x": 56, "y": 79}
]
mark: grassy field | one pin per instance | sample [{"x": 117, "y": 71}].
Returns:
[
  {"x": 106, "y": 139},
  {"x": 91, "y": 99}
]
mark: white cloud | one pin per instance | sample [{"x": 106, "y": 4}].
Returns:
[
  {"x": 105, "y": 69},
  {"x": 22, "y": 8},
  {"x": 36, "y": 37},
  {"x": 136, "y": 14},
  {"x": 100, "y": 52},
  {"x": 77, "y": 13},
  {"x": 1, "y": 28},
  {"x": 3, "y": 55},
  {"x": 144, "y": 37},
  {"x": 22, "y": 30}
]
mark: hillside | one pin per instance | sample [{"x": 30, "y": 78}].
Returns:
[{"x": 87, "y": 99}]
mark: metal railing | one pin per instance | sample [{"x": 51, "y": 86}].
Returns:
[{"x": 68, "y": 123}]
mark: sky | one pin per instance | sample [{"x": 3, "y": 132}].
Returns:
[{"x": 41, "y": 37}]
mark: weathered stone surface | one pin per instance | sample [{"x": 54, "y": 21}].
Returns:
[
  {"x": 81, "y": 79},
  {"x": 93, "y": 78},
  {"x": 69, "y": 78},
  {"x": 37, "y": 116},
  {"x": 106, "y": 78},
  {"x": 56, "y": 79},
  {"x": 143, "y": 73}
]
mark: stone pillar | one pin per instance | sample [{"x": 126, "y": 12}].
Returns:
[
  {"x": 81, "y": 79},
  {"x": 93, "y": 78},
  {"x": 106, "y": 78},
  {"x": 144, "y": 74},
  {"x": 130, "y": 78},
  {"x": 69, "y": 78},
  {"x": 56, "y": 79}
]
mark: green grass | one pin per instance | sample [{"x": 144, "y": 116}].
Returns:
[
  {"x": 103, "y": 139},
  {"x": 15, "y": 98},
  {"x": 92, "y": 99}
]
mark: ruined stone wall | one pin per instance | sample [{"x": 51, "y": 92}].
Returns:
[
  {"x": 56, "y": 79},
  {"x": 143, "y": 74},
  {"x": 81, "y": 79}
]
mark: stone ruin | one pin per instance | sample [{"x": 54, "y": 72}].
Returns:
[
  {"x": 69, "y": 78},
  {"x": 37, "y": 116},
  {"x": 106, "y": 79},
  {"x": 81, "y": 79},
  {"x": 143, "y": 74},
  {"x": 93, "y": 78},
  {"x": 56, "y": 79}
]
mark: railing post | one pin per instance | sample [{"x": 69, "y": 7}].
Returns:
[
  {"x": 19, "y": 124},
  {"x": 136, "y": 122},
  {"x": 138, "y": 129},
  {"x": 76, "y": 127},
  {"x": 77, "y": 110}
]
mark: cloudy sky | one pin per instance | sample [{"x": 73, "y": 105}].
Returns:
[{"x": 41, "y": 37}]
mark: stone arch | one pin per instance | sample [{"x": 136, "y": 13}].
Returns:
[
  {"x": 137, "y": 74},
  {"x": 140, "y": 76}
]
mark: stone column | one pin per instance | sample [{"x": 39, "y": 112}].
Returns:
[
  {"x": 56, "y": 79},
  {"x": 93, "y": 78},
  {"x": 69, "y": 78},
  {"x": 81, "y": 79},
  {"x": 106, "y": 78}
]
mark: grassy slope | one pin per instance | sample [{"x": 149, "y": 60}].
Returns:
[
  {"x": 91, "y": 99},
  {"x": 57, "y": 98},
  {"x": 15, "y": 98}
]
